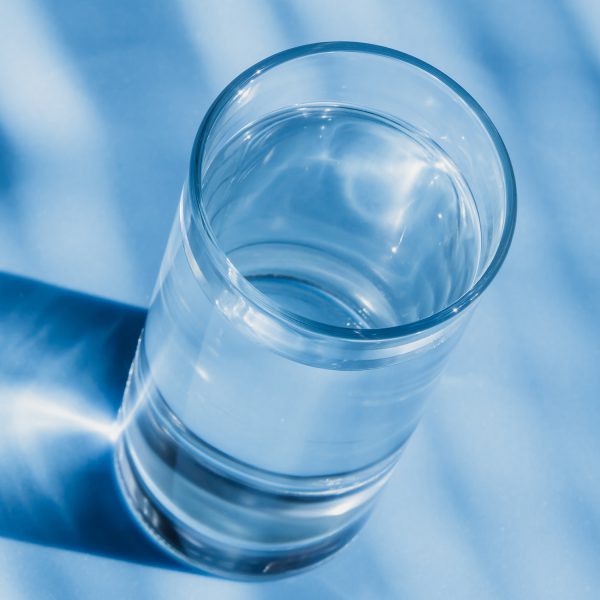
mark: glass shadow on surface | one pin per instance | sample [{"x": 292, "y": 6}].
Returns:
[{"x": 64, "y": 359}]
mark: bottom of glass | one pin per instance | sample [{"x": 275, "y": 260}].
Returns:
[{"x": 206, "y": 553}]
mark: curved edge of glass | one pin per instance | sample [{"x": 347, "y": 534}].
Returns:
[{"x": 252, "y": 294}]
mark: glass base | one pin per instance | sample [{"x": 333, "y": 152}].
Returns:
[
  {"x": 219, "y": 514},
  {"x": 206, "y": 553}
]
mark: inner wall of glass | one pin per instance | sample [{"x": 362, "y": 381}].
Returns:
[{"x": 353, "y": 189}]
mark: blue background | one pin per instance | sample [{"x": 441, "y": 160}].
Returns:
[{"x": 498, "y": 493}]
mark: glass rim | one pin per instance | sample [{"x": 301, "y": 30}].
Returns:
[{"x": 272, "y": 309}]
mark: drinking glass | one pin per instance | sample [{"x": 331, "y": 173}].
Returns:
[{"x": 346, "y": 205}]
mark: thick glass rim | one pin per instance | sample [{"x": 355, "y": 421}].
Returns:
[{"x": 265, "y": 304}]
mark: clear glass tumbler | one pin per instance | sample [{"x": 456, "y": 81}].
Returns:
[{"x": 345, "y": 207}]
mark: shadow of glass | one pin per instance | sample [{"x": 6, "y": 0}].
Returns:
[{"x": 64, "y": 359}]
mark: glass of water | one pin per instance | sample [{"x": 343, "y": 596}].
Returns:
[{"x": 345, "y": 207}]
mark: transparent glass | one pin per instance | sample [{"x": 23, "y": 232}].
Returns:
[{"x": 345, "y": 207}]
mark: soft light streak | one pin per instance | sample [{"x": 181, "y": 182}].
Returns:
[
  {"x": 59, "y": 137},
  {"x": 29, "y": 414}
]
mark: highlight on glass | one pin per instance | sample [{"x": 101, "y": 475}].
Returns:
[{"x": 346, "y": 206}]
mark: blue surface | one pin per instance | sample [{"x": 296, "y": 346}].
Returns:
[{"x": 498, "y": 493}]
